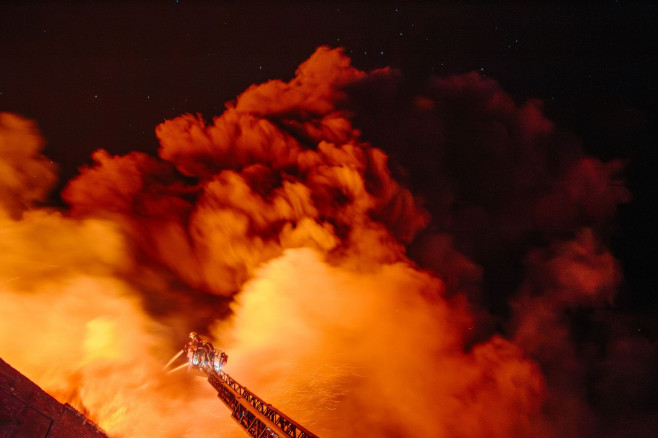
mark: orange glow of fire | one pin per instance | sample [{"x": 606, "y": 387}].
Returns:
[{"x": 302, "y": 225}]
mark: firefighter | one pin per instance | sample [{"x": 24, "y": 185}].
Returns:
[
  {"x": 207, "y": 346},
  {"x": 195, "y": 342},
  {"x": 193, "y": 347},
  {"x": 194, "y": 336}
]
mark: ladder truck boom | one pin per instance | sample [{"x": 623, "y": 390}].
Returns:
[{"x": 258, "y": 418}]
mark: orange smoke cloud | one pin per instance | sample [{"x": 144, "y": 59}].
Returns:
[
  {"x": 285, "y": 207},
  {"x": 282, "y": 168},
  {"x": 71, "y": 318},
  {"x": 26, "y": 176},
  {"x": 377, "y": 353}
]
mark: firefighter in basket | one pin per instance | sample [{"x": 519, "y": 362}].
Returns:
[{"x": 201, "y": 353}]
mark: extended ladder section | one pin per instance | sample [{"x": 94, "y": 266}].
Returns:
[{"x": 258, "y": 418}]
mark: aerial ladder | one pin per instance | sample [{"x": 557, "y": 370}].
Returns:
[{"x": 258, "y": 418}]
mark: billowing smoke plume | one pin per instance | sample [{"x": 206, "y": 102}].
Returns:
[
  {"x": 286, "y": 230},
  {"x": 26, "y": 176},
  {"x": 71, "y": 317}
]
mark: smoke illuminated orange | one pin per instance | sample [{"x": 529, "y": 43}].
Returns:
[{"x": 297, "y": 222}]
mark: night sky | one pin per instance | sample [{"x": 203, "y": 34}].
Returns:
[{"x": 104, "y": 74}]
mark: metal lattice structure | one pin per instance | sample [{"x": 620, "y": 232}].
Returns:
[{"x": 257, "y": 418}]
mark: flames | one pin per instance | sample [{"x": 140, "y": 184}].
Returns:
[{"x": 281, "y": 229}]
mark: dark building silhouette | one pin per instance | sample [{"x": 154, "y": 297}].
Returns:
[{"x": 27, "y": 411}]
